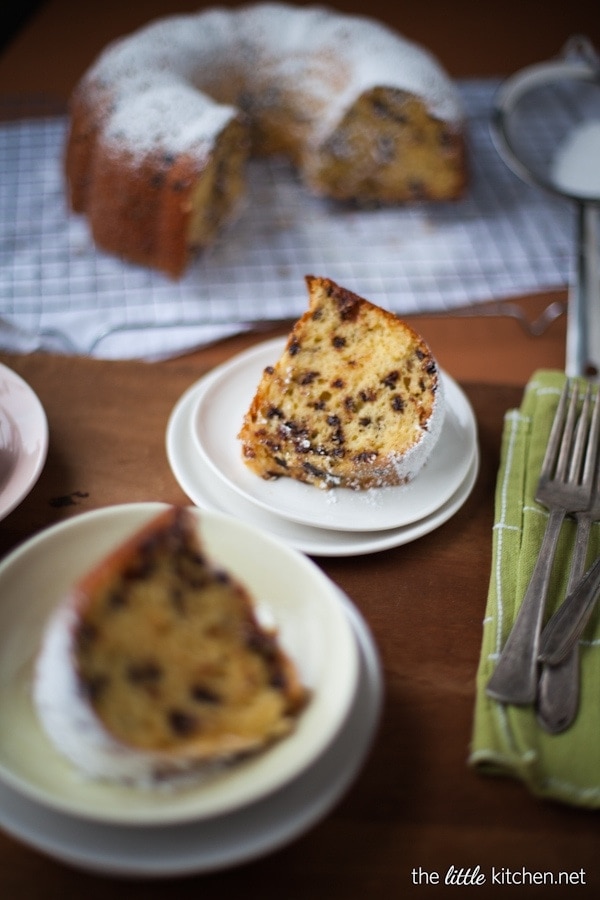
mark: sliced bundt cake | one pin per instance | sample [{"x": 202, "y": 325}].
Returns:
[{"x": 355, "y": 400}]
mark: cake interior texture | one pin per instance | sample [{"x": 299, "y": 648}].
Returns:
[
  {"x": 171, "y": 655},
  {"x": 355, "y": 400}
]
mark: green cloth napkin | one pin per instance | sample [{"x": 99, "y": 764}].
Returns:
[{"x": 507, "y": 739}]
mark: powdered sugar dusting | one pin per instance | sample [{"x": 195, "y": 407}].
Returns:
[
  {"x": 163, "y": 79},
  {"x": 173, "y": 117},
  {"x": 410, "y": 463},
  {"x": 576, "y": 168}
]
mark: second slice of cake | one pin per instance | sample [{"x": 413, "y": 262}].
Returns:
[
  {"x": 354, "y": 401},
  {"x": 156, "y": 664}
]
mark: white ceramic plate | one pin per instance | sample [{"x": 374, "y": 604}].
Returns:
[
  {"x": 292, "y": 591},
  {"x": 216, "y": 843},
  {"x": 218, "y": 418},
  {"x": 197, "y": 479},
  {"x": 23, "y": 439}
]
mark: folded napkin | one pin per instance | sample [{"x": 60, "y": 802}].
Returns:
[{"x": 507, "y": 739}]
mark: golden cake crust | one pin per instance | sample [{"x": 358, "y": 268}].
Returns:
[{"x": 355, "y": 400}]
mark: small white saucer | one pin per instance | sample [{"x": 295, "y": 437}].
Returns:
[
  {"x": 218, "y": 417},
  {"x": 228, "y": 840},
  {"x": 23, "y": 439},
  {"x": 198, "y": 481}
]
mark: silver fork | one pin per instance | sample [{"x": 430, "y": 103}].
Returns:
[
  {"x": 565, "y": 486},
  {"x": 558, "y": 688}
]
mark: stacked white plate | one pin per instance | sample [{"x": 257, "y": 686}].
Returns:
[
  {"x": 23, "y": 439},
  {"x": 229, "y": 817},
  {"x": 205, "y": 456}
]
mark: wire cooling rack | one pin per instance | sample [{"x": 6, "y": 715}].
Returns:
[{"x": 58, "y": 291}]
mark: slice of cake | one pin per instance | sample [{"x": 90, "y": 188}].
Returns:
[
  {"x": 156, "y": 663},
  {"x": 354, "y": 401}
]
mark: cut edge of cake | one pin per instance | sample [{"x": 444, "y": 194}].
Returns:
[{"x": 355, "y": 400}]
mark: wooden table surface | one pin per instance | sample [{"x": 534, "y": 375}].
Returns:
[{"x": 416, "y": 809}]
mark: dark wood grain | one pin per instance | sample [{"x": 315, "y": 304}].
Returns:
[{"x": 416, "y": 803}]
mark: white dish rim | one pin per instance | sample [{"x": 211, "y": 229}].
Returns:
[
  {"x": 215, "y": 844},
  {"x": 27, "y": 417},
  {"x": 218, "y": 417},
  {"x": 189, "y": 472}
]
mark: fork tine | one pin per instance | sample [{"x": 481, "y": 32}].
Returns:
[
  {"x": 554, "y": 441},
  {"x": 593, "y": 443},
  {"x": 571, "y": 449},
  {"x": 580, "y": 443},
  {"x": 558, "y": 686}
]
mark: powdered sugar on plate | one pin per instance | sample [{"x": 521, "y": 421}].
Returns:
[{"x": 576, "y": 167}]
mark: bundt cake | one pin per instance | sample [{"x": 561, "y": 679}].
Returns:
[
  {"x": 162, "y": 123},
  {"x": 156, "y": 664},
  {"x": 354, "y": 401}
]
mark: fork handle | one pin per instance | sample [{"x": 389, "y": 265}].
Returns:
[
  {"x": 558, "y": 686},
  {"x": 558, "y": 693},
  {"x": 566, "y": 626},
  {"x": 558, "y": 689},
  {"x": 515, "y": 678}
]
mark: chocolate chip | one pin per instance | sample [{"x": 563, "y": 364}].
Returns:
[
  {"x": 313, "y": 470},
  {"x": 348, "y": 307},
  {"x": 366, "y": 456},
  {"x": 382, "y": 109},
  {"x": 308, "y": 377},
  {"x": 222, "y": 576},
  {"x": 202, "y": 694},
  {"x": 86, "y": 635},
  {"x": 278, "y": 681},
  {"x": 145, "y": 673},
  {"x": 391, "y": 379},
  {"x": 117, "y": 599},
  {"x": 181, "y": 723},
  {"x": 94, "y": 686}
]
